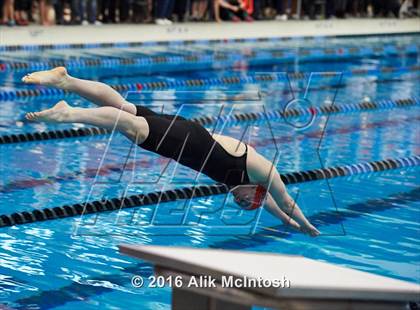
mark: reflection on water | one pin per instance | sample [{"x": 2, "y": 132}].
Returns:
[{"x": 368, "y": 221}]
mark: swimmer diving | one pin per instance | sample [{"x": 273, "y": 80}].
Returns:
[{"x": 254, "y": 180}]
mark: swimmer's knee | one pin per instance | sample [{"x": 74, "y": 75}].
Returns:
[
  {"x": 129, "y": 107},
  {"x": 128, "y": 125},
  {"x": 138, "y": 129}
]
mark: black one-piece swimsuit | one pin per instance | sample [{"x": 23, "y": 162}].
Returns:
[{"x": 191, "y": 145}]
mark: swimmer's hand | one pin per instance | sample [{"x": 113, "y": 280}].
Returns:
[
  {"x": 292, "y": 224},
  {"x": 310, "y": 230},
  {"x": 306, "y": 229}
]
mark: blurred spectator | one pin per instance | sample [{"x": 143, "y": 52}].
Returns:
[
  {"x": 383, "y": 8},
  {"x": 198, "y": 9},
  {"x": 340, "y": 7},
  {"x": 77, "y": 9},
  {"x": 333, "y": 9},
  {"x": 142, "y": 11},
  {"x": 124, "y": 11},
  {"x": 59, "y": 11},
  {"x": 180, "y": 9},
  {"x": 230, "y": 10},
  {"x": 283, "y": 12},
  {"x": 76, "y": 18},
  {"x": 265, "y": 9},
  {"x": 8, "y": 13},
  {"x": 329, "y": 9},
  {"x": 257, "y": 9},
  {"x": 124, "y": 8},
  {"x": 22, "y": 7},
  {"x": 357, "y": 8},
  {"x": 45, "y": 9},
  {"x": 87, "y": 11},
  {"x": 409, "y": 8},
  {"x": 164, "y": 9},
  {"x": 308, "y": 8},
  {"x": 108, "y": 8},
  {"x": 248, "y": 6}
]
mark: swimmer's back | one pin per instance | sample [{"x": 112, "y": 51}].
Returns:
[{"x": 192, "y": 145}]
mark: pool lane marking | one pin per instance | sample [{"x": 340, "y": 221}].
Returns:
[
  {"x": 225, "y": 57},
  {"x": 286, "y": 55},
  {"x": 73, "y": 291},
  {"x": 69, "y": 292},
  {"x": 207, "y": 120},
  {"x": 118, "y": 203},
  {"x": 146, "y": 163},
  {"x": 48, "y": 92},
  {"x": 188, "y": 43},
  {"x": 391, "y": 47}
]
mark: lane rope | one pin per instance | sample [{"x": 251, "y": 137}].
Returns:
[
  {"x": 98, "y": 206},
  {"x": 207, "y": 120},
  {"x": 35, "y": 47},
  {"x": 107, "y": 169},
  {"x": 47, "y": 92},
  {"x": 294, "y": 39},
  {"x": 219, "y": 57}
]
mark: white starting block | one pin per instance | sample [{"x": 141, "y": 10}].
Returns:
[{"x": 209, "y": 279}]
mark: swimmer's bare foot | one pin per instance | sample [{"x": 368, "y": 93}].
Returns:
[
  {"x": 58, "y": 113},
  {"x": 56, "y": 77}
]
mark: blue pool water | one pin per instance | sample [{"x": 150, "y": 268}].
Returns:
[{"x": 368, "y": 221}]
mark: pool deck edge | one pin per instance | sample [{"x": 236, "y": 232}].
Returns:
[{"x": 37, "y": 35}]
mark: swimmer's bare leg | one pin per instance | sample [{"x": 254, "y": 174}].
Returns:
[
  {"x": 133, "y": 127},
  {"x": 97, "y": 92}
]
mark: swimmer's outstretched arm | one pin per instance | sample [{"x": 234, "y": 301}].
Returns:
[
  {"x": 96, "y": 92},
  {"x": 261, "y": 171},
  {"x": 133, "y": 127},
  {"x": 289, "y": 206},
  {"x": 271, "y": 206}
]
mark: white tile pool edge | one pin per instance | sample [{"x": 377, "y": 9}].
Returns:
[{"x": 37, "y": 35}]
